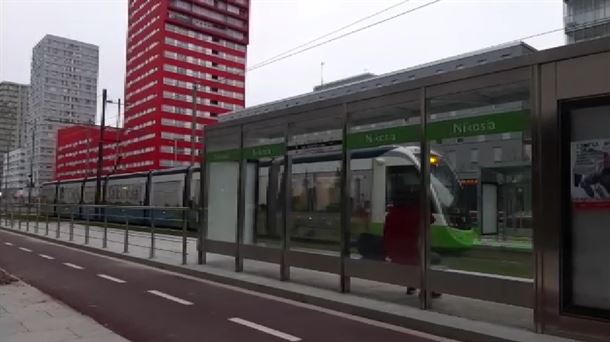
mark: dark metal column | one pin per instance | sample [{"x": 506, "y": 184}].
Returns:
[
  {"x": 241, "y": 205},
  {"x": 203, "y": 202},
  {"x": 344, "y": 280},
  {"x": 536, "y": 192},
  {"x": 286, "y": 222},
  {"x": 424, "y": 243}
]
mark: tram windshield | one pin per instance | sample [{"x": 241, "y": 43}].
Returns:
[{"x": 449, "y": 192}]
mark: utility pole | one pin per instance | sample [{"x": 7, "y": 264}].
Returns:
[
  {"x": 321, "y": 73},
  {"x": 194, "y": 124},
  {"x": 100, "y": 151},
  {"x": 5, "y": 175},
  {"x": 31, "y": 178},
  {"x": 117, "y": 135}
]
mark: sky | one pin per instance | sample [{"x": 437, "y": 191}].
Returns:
[{"x": 441, "y": 30}]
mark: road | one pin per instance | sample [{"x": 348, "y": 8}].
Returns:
[{"x": 146, "y": 304}]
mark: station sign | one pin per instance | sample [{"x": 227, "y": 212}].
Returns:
[
  {"x": 381, "y": 137},
  {"x": 223, "y": 156},
  {"x": 478, "y": 125},
  {"x": 515, "y": 121},
  {"x": 264, "y": 151}
]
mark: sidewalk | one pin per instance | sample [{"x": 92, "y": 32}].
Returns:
[
  {"x": 370, "y": 299},
  {"x": 28, "y": 315}
]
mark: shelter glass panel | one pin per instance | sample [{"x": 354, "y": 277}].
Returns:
[
  {"x": 263, "y": 152},
  {"x": 385, "y": 189},
  {"x": 315, "y": 214},
  {"x": 222, "y": 162},
  {"x": 480, "y": 167}
]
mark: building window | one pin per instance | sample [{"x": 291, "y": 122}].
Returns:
[
  {"x": 474, "y": 155},
  {"x": 497, "y": 154}
]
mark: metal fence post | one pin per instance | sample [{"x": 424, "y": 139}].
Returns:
[
  {"x": 27, "y": 222},
  {"x": 46, "y": 228},
  {"x": 86, "y": 227},
  {"x": 126, "y": 238},
  {"x": 19, "y": 217},
  {"x": 58, "y": 230},
  {"x": 71, "y": 231},
  {"x": 105, "y": 239},
  {"x": 12, "y": 218},
  {"x": 37, "y": 227},
  {"x": 152, "y": 233},
  {"x": 185, "y": 216}
]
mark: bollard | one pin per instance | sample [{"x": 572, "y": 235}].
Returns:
[
  {"x": 105, "y": 239},
  {"x": 152, "y": 234},
  {"x": 184, "y": 226},
  {"x": 71, "y": 231},
  {"x": 86, "y": 228},
  {"x": 126, "y": 238}
]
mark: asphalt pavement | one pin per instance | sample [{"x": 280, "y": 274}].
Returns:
[{"x": 145, "y": 304}]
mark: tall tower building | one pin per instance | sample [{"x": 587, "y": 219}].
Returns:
[
  {"x": 63, "y": 92},
  {"x": 178, "y": 50},
  {"x": 13, "y": 111},
  {"x": 586, "y": 19}
]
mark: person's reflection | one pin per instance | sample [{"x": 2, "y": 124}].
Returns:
[{"x": 402, "y": 228}]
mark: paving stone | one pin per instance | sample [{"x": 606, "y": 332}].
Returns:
[{"x": 28, "y": 315}]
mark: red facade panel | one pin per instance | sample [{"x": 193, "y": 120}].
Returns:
[
  {"x": 77, "y": 151},
  {"x": 173, "y": 46}
]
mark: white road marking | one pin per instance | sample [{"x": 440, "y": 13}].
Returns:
[
  {"x": 170, "y": 297},
  {"x": 8, "y": 243},
  {"x": 25, "y": 249},
  {"x": 46, "y": 256},
  {"x": 264, "y": 329},
  {"x": 73, "y": 266},
  {"x": 107, "y": 277}
]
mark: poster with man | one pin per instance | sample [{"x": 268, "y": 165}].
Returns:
[{"x": 590, "y": 181}]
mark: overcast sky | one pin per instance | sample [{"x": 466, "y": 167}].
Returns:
[{"x": 440, "y": 30}]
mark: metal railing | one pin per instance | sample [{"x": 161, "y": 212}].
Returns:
[{"x": 149, "y": 220}]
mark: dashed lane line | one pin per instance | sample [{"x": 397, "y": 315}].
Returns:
[
  {"x": 25, "y": 249},
  {"x": 48, "y": 257},
  {"x": 169, "y": 297},
  {"x": 73, "y": 266},
  {"x": 116, "y": 280},
  {"x": 265, "y": 329}
]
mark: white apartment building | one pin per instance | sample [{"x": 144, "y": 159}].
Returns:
[{"x": 63, "y": 92}]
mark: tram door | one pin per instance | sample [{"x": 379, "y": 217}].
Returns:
[{"x": 489, "y": 212}]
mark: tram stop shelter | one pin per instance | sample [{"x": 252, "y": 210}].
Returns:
[{"x": 490, "y": 183}]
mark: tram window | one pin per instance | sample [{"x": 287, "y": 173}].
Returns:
[
  {"x": 166, "y": 194},
  {"x": 402, "y": 181}
]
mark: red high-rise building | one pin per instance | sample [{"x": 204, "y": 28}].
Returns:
[
  {"x": 77, "y": 151},
  {"x": 174, "y": 46}
]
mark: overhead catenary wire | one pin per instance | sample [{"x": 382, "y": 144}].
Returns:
[
  {"x": 333, "y": 32},
  {"x": 349, "y": 33}
]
